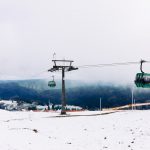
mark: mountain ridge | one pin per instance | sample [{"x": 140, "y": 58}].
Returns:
[{"x": 86, "y": 95}]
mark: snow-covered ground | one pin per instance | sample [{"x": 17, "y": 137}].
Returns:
[{"x": 127, "y": 130}]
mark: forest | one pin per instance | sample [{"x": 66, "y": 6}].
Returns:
[{"x": 85, "y": 95}]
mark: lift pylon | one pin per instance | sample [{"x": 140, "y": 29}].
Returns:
[{"x": 64, "y": 66}]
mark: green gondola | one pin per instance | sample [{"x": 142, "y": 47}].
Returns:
[
  {"x": 142, "y": 80},
  {"x": 51, "y": 84}
]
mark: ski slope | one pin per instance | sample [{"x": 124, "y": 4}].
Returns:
[{"x": 127, "y": 130}]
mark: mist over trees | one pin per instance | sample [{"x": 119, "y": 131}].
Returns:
[{"x": 84, "y": 95}]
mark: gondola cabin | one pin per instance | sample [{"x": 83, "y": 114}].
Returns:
[
  {"x": 142, "y": 80},
  {"x": 51, "y": 83}
]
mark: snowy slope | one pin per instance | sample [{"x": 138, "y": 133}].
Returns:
[{"x": 128, "y": 130}]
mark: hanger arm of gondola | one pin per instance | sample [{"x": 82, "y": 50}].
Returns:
[{"x": 141, "y": 66}]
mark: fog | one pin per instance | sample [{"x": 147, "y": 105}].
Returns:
[{"x": 88, "y": 32}]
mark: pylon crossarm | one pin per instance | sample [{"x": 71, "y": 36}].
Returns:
[{"x": 63, "y": 60}]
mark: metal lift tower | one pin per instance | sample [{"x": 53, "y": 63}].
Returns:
[{"x": 64, "y": 66}]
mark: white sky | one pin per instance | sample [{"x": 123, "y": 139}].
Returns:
[{"x": 87, "y": 31}]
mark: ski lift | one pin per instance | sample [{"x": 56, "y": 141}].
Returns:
[
  {"x": 52, "y": 83},
  {"x": 142, "y": 79}
]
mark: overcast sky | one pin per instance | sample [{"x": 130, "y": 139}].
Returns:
[{"x": 86, "y": 31}]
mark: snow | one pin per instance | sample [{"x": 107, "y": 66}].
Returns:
[{"x": 123, "y": 130}]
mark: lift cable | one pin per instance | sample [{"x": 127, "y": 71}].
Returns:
[
  {"x": 97, "y": 65},
  {"x": 112, "y": 64},
  {"x": 89, "y": 66},
  {"x": 37, "y": 74}
]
